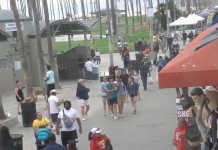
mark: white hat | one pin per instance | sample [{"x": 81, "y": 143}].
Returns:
[
  {"x": 53, "y": 91},
  {"x": 95, "y": 130},
  {"x": 81, "y": 80}
]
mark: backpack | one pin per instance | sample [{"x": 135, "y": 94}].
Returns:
[
  {"x": 160, "y": 64},
  {"x": 42, "y": 134},
  {"x": 67, "y": 121}
]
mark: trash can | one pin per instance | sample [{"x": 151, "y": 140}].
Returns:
[
  {"x": 18, "y": 141},
  {"x": 95, "y": 73},
  {"x": 136, "y": 46},
  {"x": 139, "y": 56},
  {"x": 28, "y": 113}
]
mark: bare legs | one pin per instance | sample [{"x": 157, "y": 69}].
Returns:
[
  {"x": 133, "y": 100},
  {"x": 18, "y": 107},
  {"x": 104, "y": 100},
  {"x": 120, "y": 107},
  {"x": 83, "y": 111},
  {"x": 113, "y": 108},
  {"x": 139, "y": 96}
]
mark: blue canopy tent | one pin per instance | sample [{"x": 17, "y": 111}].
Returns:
[
  {"x": 212, "y": 8},
  {"x": 215, "y": 19},
  {"x": 204, "y": 14}
]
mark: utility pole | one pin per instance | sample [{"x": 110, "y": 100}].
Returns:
[
  {"x": 126, "y": 17},
  {"x": 145, "y": 5},
  {"x": 151, "y": 27},
  {"x": 109, "y": 33},
  {"x": 167, "y": 16},
  {"x": 174, "y": 10},
  {"x": 114, "y": 22}
]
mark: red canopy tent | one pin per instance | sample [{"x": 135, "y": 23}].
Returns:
[{"x": 194, "y": 67}]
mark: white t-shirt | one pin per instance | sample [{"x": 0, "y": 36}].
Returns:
[
  {"x": 72, "y": 114},
  {"x": 88, "y": 66},
  {"x": 97, "y": 53},
  {"x": 52, "y": 100}
]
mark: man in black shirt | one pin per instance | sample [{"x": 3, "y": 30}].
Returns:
[
  {"x": 191, "y": 36},
  {"x": 140, "y": 45},
  {"x": 144, "y": 71},
  {"x": 184, "y": 37},
  {"x": 170, "y": 43},
  {"x": 81, "y": 63}
]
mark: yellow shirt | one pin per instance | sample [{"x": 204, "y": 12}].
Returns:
[
  {"x": 40, "y": 123},
  {"x": 154, "y": 38}
]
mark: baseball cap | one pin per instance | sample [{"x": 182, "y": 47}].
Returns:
[
  {"x": 95, "y": 130},
  {"x": 53, "y": 91},
  {"x": 81, "y": 80}
]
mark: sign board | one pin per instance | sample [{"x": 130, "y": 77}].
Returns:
[
  {"x": 150, "y": 12},
  {"x": 168, "y": 11},
  {"x": 180, "y": 113},
  {"x": 12, "y": 26},
  {"x": 17, "y": 65}
]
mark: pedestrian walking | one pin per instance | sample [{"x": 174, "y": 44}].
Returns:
[
  {"x": 162, "y": 45},
  {"x": 50, "y": 80},
  {"x": 144, "y": 71},
  {"x": 19, "y": 96},
  {"x": 81, "y": 63},
  {"x": 191, "y": 36},
  {"x": 6, "y": 141},
  {"x": 52, "y": 143},
  {"x": 97, "y": 140},
  {"x": 156, "y": 45},
  {"x": 119, "y": 46},
  {"x": 125, "y": 44},
  {"x": 126, "y": 59},
  {"x": 104, "y": 95},
  {"x": 97, "y": 56},
  {"x": 179, "y": 140},
  {"x": 140, "y": 45},
  {"x": 137, "y": 79},
  {"x": 169, "y": 43},
  {"x": 111, "y": 90},
  {"x": 111, "y": 71},
  {"x": 161, "y": 63},
  {"x": 125, "y": 77},
  {"x": 53, "y": 105},
  {"x": 82, "y": 95},
  {"x": 132, "y": 89},
  {"x": 121, "y": 37},
  {"x": 184, "y": 37},
  {"x": 121, "y": 97},
  {"x": 89, "y": 69},
  {"x": 67, "y": 118}
]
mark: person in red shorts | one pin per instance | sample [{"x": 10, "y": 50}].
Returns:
[{"x": 179, "y": 140}]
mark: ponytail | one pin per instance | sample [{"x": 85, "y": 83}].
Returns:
[{"x": 90, "y": 136}]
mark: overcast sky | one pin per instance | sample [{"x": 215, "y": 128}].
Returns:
[{"x": 120, "y": 4}]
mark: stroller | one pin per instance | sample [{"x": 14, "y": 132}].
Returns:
[{"x": 41, "y": 138}]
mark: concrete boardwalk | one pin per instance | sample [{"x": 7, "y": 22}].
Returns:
[{"x": 152, "y": 128}]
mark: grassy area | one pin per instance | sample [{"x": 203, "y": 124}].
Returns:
[{"x": 102, "y": 44}]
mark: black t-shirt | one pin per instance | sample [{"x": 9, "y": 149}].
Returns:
[
  {"x": 81, "y": 59},
  {"x": 124, "y": 78}
]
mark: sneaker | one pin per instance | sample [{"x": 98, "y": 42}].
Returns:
[
  {"x": 83, "y": 119},
  {"x": 104, "y": 114},
  {"x": 112, "y": 115},
  {"x": 127, "y": 101},
  {"x": 115, "y": 117},
  {"x": 134, "y": 112},
  {"x": 121, "y": 116}
]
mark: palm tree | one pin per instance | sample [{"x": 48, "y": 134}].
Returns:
[
  {"x": 133, "y": 19},
  {"x": 137, "y": 10},
  {"x": 126, "y": 18},
  {"x": 2, "y": 112},
  {"x": 50, "y": 49},
  {"x": 99, "y": 9},
  {"x": 83, "y": 9},
  {"x": 140, "y": 12},
  {"x": 128, "y": 8},
  {"x": 159, "y": 16},
  {"x": 22, "y": 50},
  {"x": 39, "y": 43},
  {"x": 29, "y": 9}
]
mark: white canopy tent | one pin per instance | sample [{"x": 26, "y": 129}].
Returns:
[
  {"x": 195, "y": 17},
  {"x": 183, "y": 21}
]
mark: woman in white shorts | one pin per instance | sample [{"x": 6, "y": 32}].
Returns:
[
  {"x": 82, "y": 95},
  {"x": 104, "y": 95}
]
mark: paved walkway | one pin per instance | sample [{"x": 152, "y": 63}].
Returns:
[{"x": 152, "y": 127}]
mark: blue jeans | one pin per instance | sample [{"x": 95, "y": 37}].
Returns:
[
  {"x": 89, "y": 75},
  {"x": 81, "y": 73}
]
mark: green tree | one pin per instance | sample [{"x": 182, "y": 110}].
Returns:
[{"x": 162, "y": 8}]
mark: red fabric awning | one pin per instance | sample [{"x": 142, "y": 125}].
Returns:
[{"x": 192, "y": 68}]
